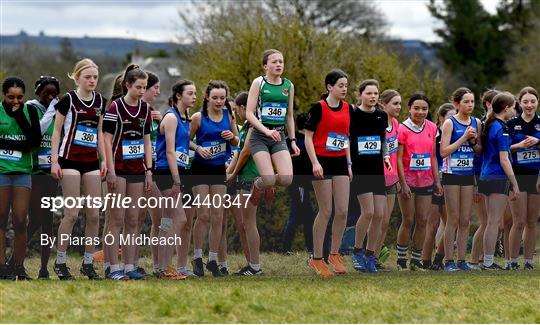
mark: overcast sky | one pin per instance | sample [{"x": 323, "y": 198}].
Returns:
[{"x": 156, "y": 20}]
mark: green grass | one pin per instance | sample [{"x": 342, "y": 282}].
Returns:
[{"x": 288, "y": 292}]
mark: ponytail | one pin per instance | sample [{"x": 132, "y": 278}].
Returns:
[{"x": 132, "y": 74}]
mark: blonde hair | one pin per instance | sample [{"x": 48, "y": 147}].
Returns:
[{"x": 80, "y": 66}]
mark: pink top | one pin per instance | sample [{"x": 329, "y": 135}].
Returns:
[
  {"x": 418, "y": 152},
  {"x": 391, "y": 177}
]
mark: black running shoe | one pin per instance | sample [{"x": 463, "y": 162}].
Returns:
[
  {"x": 62, "y": 271},
  {"x": 242, "y": 270},
  {"x": 224, "y": 270},
  {"x": 513, "y": 266},
  {"x": 6, "y": 272},
  {"x": 198, "y": 267},
  {"x": 44, "y": 274},
  {"x": 89, "y": 271},
  {"x": 492, "y": 267},
  {"x": 107, "y": 271},
  {"x": 214, "y": 268},
  {"x": 249, "y": 271},
  {"x": 528, "y": 266},
  {"x": 20, "y": 273}
]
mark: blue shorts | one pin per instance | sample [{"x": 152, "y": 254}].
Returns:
[{"x": 16, "y": 180}]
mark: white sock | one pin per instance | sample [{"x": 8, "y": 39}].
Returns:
[
  {"x": 106, "y": 265},
  {"x": 223, "y": 264},
  {"x": 129, "y": 268},
  {"x": 212, "y": 256},
  {"x": 115, "y": 268},
  {"x": 197, "y": 253},
  {"x": 61, "y": 257},
  {"x": 88, "y": 258},
  {"x": 488, "y": 260},
  {"x": 256, "y": 267}
]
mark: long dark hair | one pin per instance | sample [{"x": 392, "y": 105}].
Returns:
[
  {"x": 132, "y": 74},
  {"x": 498, "y": 104},
  {"x": 216, "y": 84}
]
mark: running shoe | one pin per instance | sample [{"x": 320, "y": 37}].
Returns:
[
  {"x": 402, "y": 265},
  {"x": 464, "y": 266},
  {"x": 171, "y": 274},
  {"x": 359, "y": 261},
  {"x": 224, "y": 271},
  {"x": 371, "y": 264},
  {"x": 269, "y": 196},
  {"x": 134, "y": 275},
  {"x": 256, "y": 194},
  {"x": 213, "y": 267},
  {"x": 44, "y": 274},
  {"x": 474, "y": 267},
  {"x": 62, "y": 271},
  {"x": 384, "y": 254},
  {"x": 492, "y": 267},
  {"x": 6, "y": 272},
  {"x": 20, "y": 273},
  {"x": 107, "y": 271},
  {"x": 118, "y": 276},
  {"x": 528, "y": 266},
  {"x": 513, "y": 266},
  {"x": 141, "y": 270},
  {"x": 337, "y": 263},
  {"x": 416, "y": 265},
  {"x": 89, "y": 271},
  {"x": 198, "y": 267},
  {"x": 249, "y": 271},
  {"x": 187, "y": 272},
  {"x": 451, "y": 267},
  {"x": 320, "y": 267}
]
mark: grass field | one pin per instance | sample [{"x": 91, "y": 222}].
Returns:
[{"x": 288, "y": 292}]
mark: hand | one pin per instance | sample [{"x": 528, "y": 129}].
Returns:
[
  {"x": 56, "y": 171},
  {"x": 230, "y": 179},
  {"x": 295, "y": 149},
  {"x": 111, "y": 182},
  {"x": 175, "y": 190},
  {"x": 205, "y": 153},
  {"x": 470, "y": 133},
  {"x": 406, "y": 192},
  {"x": 438, "y": 189},
  {"x": 528, "y": 142},
  {"x": 227, "y": 135},
  {"x": 156, "y": 115},
  {"x": 148, "y": 183},
  {"x": 273, "y": 134},
  {"x": 477, "y": 194},
  {"x": 514, "y": 194},
  {"x": 103, "y": 170},
  {"x": 388, "y": 164},
  {"x": 318, "y": 170}
]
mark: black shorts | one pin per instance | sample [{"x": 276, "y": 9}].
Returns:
[
  {"x": 362, "y": 184},
  {"x": 392, "y": 189},
  {"x": 244, "y": 185},
  {"x": 526, "y": 179},
  {"x": 494, "y": 186},
  {"x": 427, "y": 190},
  {"x": 164, "y": 181},
  {"x": 333, "y": 166},
  {"x": 461, "y": 180},
  {"x": 132, "y": 179},
  {"x": 437, "y": 199},
  {"x": 82, "y": 167},
  {"x": 207, "y": 175}
]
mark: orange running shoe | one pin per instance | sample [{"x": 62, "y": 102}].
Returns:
[
  {"x": 337, "y": 263},
  {"x": 321, "y": 268},
  {"x": 99, "y": 257},
  {"x": 171, "y": 274}
]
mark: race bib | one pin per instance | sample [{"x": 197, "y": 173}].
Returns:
[
  {"x": 336, "y": 142},
  {"x": 132, "y": 149},
  {"x": 9, "y": 154},
  {"x": 528, "y": 156},
  {"x": 182, "y": 157},
  {"x": 392, "y": 144},
  {"x": 217, "y": 149},
  {"x": 369, "y": 145},
  {"x": 44, "y": 159},
  {"x": 154, "y": 154},
  {"x": 420, "y": 162},
  {"x": 461, "y": 162},
  {"x": 86, "y": 136},
  {"x": 274, "y": 112}
]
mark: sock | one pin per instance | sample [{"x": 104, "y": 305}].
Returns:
[
  {"x": 528, "y": 261},
  {"x": 212, "y": 256},
  {"x": 181, "y": 269},
  {"x": 223, "y": 264},
  {"x": 256, "y": 267},
  {"x": 488, "y": 260},
  {"x": 61, "y": 257},
  {"x": 402, "y": 252},
  {"x": 370, "y": 253},
  {"x": 88, "y": 258},
  {"x": 106, "y": 265},
  {"x": 129, "y": 268},
  {"x": 197, "y": 253},
  {"x": 416, "y": 255},
  {"x": 115, "y": 268}
]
